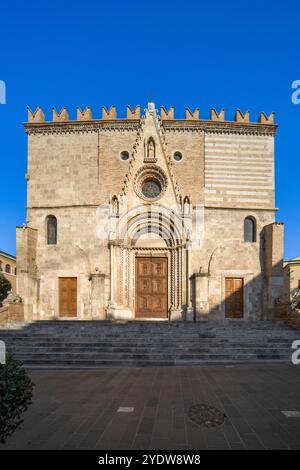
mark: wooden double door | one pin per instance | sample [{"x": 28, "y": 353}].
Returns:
[
  {"x": 234, "y": 297},
  {"x": 151, "y": 287},
  {"x": 67, "y": 296}
]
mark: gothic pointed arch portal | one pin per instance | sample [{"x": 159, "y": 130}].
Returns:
[{"x": 156, "y": 235}]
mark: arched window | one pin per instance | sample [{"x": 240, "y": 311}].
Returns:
[
  {"x": 51, "y": 230},
  {"x": 249, "y": 230},
  {"x": 7, "y": 268}
]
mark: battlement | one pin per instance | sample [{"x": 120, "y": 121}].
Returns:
[{"x": 38, "y": 116}]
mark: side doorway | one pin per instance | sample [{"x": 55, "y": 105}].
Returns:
[
  {"x": 234, "y": 297},
  {"x": 68, "y": 297}
]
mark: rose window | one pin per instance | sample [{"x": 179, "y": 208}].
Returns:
[{"x": 151, "y": 188}]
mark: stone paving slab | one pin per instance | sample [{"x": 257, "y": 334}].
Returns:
[{"x": 77, "y": 409}]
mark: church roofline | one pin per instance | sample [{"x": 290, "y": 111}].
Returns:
[
  {"x": 216, "y": 123},
  {"x": 169, "y": 125},
  {"x": 7, "y": 255}
]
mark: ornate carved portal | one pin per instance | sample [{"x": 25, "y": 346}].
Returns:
[
  {"x": 124, "y": 279},
  {"x": 148, "y": 236}
]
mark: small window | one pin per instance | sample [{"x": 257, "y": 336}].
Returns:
[
  {"x": 177, "y": 156},
  {"x": 249, "y": 230},
  {"x": 0, "y": 266},
  {"x": 298, "y": 283},
  {"x": 7, "y": 268},
  {"x": 124, "y": 155},
  {"x": 51, "y": 230},
  {"x": 15, "y": 271}
]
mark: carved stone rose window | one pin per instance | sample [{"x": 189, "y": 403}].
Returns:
[
  {"x": 150, "y": 182},
  {"x": 151, "y": 188}
]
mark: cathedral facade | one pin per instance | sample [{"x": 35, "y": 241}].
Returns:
[{"x": 150, "y": 217}]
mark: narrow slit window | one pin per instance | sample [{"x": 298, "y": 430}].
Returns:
[
  {"x": 249, "y": 230},
  {"x": 51, "y": 230}
]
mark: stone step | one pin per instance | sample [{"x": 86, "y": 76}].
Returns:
[
  {"x": 56, "y": 363},
  {"x": 65, "y": 356},
  {"x": 63, "y": 334},
  {"x": 155, "y": 326},
  {"x": 196, "y": 348},
  {"x": 149, "y": 341},
  {"x": 167, "y": 329},
  {"x": 94, "y": 344}
]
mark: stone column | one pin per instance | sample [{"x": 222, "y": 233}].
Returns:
[
  {"x": 200, "y": 297},
  {"x": 27, "y": 271},
  {"x": 189, "y": 305},
  {"x": 274, "y": 237},
  {"x": 98, "y": 296}
]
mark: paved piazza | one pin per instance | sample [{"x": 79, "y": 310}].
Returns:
[{"x": 78, "y": 409}]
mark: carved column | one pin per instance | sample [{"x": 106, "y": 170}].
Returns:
[{"x": 189, "y": 306}]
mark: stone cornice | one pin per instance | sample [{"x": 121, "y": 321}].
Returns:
[
  {"x": 74, "y": 206},
  {"x": 271, "y": 209},
  {"x": 220, "y": 127},
  {"x": 81, "y": 126}
]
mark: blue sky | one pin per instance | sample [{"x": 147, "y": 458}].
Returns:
[{"x": 208, "y": 54}]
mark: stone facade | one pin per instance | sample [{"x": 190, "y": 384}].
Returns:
[
  {"x": 292, "y": 280},
  {"x": 150, "y": 186},
  {"x": 8, "y": 268}
]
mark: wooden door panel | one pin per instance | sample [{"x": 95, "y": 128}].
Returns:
[
  {"x": 159, "y": 286},
  {"x": 67, "y": 296},
  {"x": 158, "y": 305},
  {"x": 234, "y": 293},
  {"x": 144, "y": 303},
  {"x": 144, "y": 268},
  {"x": 159, "y": 268},
  {"x": 151, "y": 287},
  {"x": 145, "y": 285}
]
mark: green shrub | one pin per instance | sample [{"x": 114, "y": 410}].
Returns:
[
  {"x": 15, "y": 396},
  {"x": 5, "y": 287}
]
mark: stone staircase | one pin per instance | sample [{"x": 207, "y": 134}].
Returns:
[{"x": 92, "y": 344}]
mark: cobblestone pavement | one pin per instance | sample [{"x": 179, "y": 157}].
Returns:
[{"x": 78, "y": 409}]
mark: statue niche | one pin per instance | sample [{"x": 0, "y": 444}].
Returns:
[
  {"x": 150, "y": 151},
  {"x": 115, "y": 206}
]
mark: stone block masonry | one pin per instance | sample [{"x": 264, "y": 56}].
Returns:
[{"x": 204, "y": 179}]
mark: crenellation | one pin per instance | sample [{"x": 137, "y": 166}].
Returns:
[
  {"x": 167, "y": 114},
  {"x": 192, "y": 115},
  {"x": 62, "y": 116},
  {"x": 264, "y": 119},
  {"x": 108, "y": 114},
  {"x": 215, "y": 116},
  {"x": 240, "y": 117},
  {"x": 133, "y": 113},
  {"x": 36, "y": 116},
  {"x": 85, "y": 115},
  {"x": 191, "y": 119}
]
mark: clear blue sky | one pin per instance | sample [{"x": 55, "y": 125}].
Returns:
[{"x": 208, "y": 54}]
